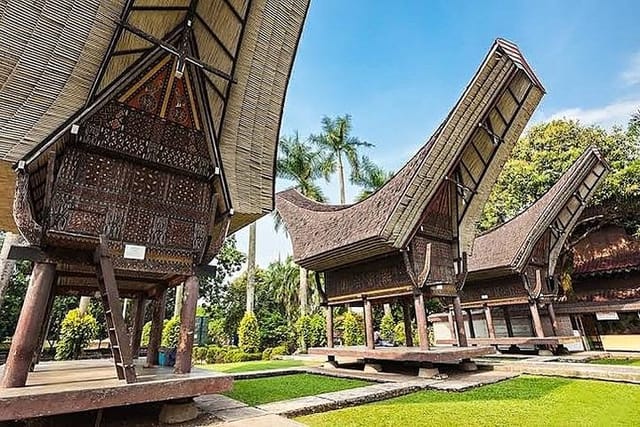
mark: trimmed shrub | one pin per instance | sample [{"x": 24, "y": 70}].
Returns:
[
  {"x": 214, "y": 354},
  {"x": 146, "y": 331},
  {"x": 171, "y": 333},
  {"x": 279, "y": 351},
  {"x": 76, "y": 332},
  {"x": 215, "y": 332},
  {"x": 353, "y": 329},
  {"x": 266, "y": 354},
  {"x": 249, "y": 333},
  {"x": 199, "y": 354},
  {"x": 400, "y": 336},
  {"x": 387, "y": 326}
]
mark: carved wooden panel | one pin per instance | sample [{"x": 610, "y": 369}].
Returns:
[
  {"x": 504, "y": 287},
  {"x": 371, "y": 275}
]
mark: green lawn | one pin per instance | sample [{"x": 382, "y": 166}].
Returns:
[
  {"x": 257, "y": 365},
  {"x": 523, "y": 401},
  {"x": 272, "y": 389},
  {"x": 616, "y": 361}
]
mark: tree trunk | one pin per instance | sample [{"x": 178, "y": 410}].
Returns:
[
  {"x": 7, "y": 265},
  {"x": 343, "y": 198},
  {"x": 387, "y": 309},
  {"x": 177, "y": 305},
  {"x": 304, "y": 291},
  {"x": 83, "y": 307},
  {"x": 251, "y": 268}
]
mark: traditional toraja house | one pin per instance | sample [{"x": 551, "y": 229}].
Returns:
[
  {"x": 604, "y": 304},
  {"x": 141, "y": 133},
  {"x": 409, "y": 240},
  {"x": 514, "y": 271}
]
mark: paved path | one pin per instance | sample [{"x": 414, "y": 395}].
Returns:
[{"x": 573, "y": 370}]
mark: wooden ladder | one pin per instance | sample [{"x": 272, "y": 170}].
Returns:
[{"x": 120, "y": 342}]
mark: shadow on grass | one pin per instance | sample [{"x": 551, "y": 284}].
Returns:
[{"x": 521, "y": 388}]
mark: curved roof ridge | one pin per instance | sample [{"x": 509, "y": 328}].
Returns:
[{"x": 514, "y": 239}]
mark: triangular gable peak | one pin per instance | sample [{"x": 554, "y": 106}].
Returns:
[
  {"x": 140, "y": 166},
  {"x": 523, "y": 253}
]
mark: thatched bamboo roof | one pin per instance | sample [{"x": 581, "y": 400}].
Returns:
[
  {"x": 507, "y": 248},
  {"x": 60, "y": 58},
  {"x": 501, "y": 97}
]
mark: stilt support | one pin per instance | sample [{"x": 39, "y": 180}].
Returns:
[
  {"x": 535, "y": 317},
  {"x": 157, "y": 322},
  {"x": 25, "y": 339},
  {"x": 490, "y": 328},
  {"x": 137, "y": 323},
  {"x": 421, "y": 320},
  {"x": 329, "y": 326},
  {"x": 187, "y": 326},
  {"x": 368, "y": 323},
  {"x": 406, "y": 315},
  {"x": 459, "y": 318}
]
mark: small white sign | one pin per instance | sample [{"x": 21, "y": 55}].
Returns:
[
  {"x": 134, "y": 251},
  {"x": 607, "y": 315}
]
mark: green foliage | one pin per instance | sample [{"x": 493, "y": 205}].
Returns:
[
  {"x": 238, "y": 355},
  {"x": 200, "y": 354},
  {"x": 258, "y": 391},
  {"x": 171, "y": 333},
  {"x": 387, "y": 326},
  {"x": 311, "y": 330},
  {"x": 513, "y": 402},
  {"x": 254, "y": 365},
  {"x": 76, "y": 333},
  {"x": 352, "y": 329},
  {"x": 370, "y": 177},
  {"x": 97, "y": 311},
  {"x": 400, "y": 337},
  {"x": 249, "y": 334},
  {"x": 13, "y": 299},
  {"x": 547, "y": 150},
  {"x": 215, "y": 331},
  {"x": 279, "y": 351},
  {"x": 274, "y": 329},
  {"x": 266, "y": 353},
  {"x": 215, "y": 354}
]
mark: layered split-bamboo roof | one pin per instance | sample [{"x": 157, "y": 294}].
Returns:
[
  {"x": 507, "y": 248},
  {"x": 61, "y": 59},
  {"x": 469, "y": 147}
]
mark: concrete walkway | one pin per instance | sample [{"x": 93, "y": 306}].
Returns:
[{"x": 617, "y": 373}]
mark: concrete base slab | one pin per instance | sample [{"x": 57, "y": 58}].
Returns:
[
  {"x": 217, "y": 402},
  {"x": 372, "y": 367},
  {"x": 235, "y": 414},
  {"x": 175, "y": 413},
  {"x": 331, "y": 364},
  {"x": 428, "y": 372},
  {"x": 468, "y": 366},
  {"x": 269, "y": 420},
  {"x": 295, "y": 406},
  {"x": 544, "y": 352}
]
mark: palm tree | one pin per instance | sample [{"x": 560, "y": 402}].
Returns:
[
  {"x": 335, "y": 142},
  {"x": 251, "y": 268},
  {"x": 298, "y": 162},
  {"x": 370, "y": 177},
  {"x": 283, "y": 278}
]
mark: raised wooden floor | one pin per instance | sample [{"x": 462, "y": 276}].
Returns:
[
  {"x": 73, "y": 386},
  {"x": 407, "y": 354}
]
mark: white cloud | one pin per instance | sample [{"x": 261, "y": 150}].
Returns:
[
  {"x": 616, "y": 113},
  {"x": 631, "y": 75}
]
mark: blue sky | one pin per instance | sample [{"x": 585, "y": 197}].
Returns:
[{"x": 398, "y": 68}]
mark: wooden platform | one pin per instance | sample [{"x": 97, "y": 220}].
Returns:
[
  {"x": 529, "y": 341},
  {"x": 407, "y": 354},
  {"x": 73, "y": 386}
]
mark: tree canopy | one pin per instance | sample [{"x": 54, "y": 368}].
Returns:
[{"x": 547, "y": 150}]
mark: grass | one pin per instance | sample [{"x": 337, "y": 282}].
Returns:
[
  {"x": 272, "y": 389},
  {"x": 257, "y": 365},
  {"x": 523, "y": 401},
  {"x": 616, "y": 361}
]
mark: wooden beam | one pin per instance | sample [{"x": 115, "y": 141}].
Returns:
[
  {"x": 552, "y": 317},
  {"x": 488, "y": 316},
  {"x": 329, "y": 326},
  {"x": 136, "y": 326},
  {"x": 157, "y": 323},
  {"x": 535, "y": 317},
  {"x": 507, "y": 320},
  {"x": 459, "y": 318},
  {"x": 421, "y": 320},
  {"x": 187, "y": 326},
  {"x": 472, "y": 330},
  {"x": 25, "y": 338},
  {"x": 406, "y": 317},
  {"x": 368, "y": 323}
]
